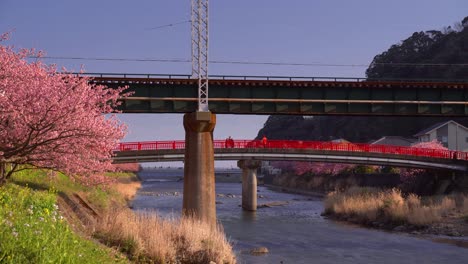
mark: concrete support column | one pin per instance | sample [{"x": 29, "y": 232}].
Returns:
[
  {"x": 249, "y": 183},
  {"x": 199, "y": 178}
]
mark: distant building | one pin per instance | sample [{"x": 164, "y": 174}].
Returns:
[
  {"x": 268, "y": 169},
  {"x": 394, "y": 141},
  {"x": 451, "y": 134}
]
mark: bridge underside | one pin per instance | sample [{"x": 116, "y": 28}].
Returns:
[
  {"x": 301, "y": 97},
  {"x": 292, "y": 155}
]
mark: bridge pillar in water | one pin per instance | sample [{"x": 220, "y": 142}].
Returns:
[
  {"x": 249, "y": 183},
  {"x": 199, "y": 178}
]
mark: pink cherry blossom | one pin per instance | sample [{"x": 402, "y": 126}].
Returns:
[
  {"x": 407, "y": 175},
  {"x": 317, "y": 168},
  {"x": 54, "y": 120}
]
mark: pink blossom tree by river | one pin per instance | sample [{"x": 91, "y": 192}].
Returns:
[
  {"x": 53, "y": 120},
  {"x": 406, "y": 174},
  {"x": 316, "y": 168}
]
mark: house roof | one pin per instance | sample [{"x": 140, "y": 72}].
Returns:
[
  {"x": 436, "y": 126},
  {"x": 385, "y": 138}
]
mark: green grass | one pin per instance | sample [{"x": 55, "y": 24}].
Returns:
[
  {"x": 122, "y": 175},
  {"x": 43, "y": 180},
  {"x": 32, "y": 231},
  {"x": 99, "y": 196}
]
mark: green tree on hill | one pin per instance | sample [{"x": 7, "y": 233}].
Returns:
[{"x": 432, "y": 54}]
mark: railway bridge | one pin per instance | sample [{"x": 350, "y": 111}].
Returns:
[{"x": 270, "y": 95}]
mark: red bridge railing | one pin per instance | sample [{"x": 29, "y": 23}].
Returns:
[{"x": 289, "y": 144}]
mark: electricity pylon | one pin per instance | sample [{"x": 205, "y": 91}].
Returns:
[{"x": 200, "y": 50}]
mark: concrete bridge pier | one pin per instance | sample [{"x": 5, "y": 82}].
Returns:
[
  {"x": 249, "y": 183},
  {"x": 199, "y": 178}
]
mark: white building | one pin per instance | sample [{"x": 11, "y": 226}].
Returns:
[
  {"x": 267, "y": 168},
  {"x": 451, "y": 134}
]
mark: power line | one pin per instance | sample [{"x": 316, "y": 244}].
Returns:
[
  {"x": 110, "y": 59},
  {"x": 288, "y": 63},
  {"x": 170, "y": 25},
  {"x": 419, "y": 64},
  {"x": 315, "y": 64},
  {"x": 338, "y": 65}
]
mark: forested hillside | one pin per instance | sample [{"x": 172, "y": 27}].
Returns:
[{"x": 433, "y": 54}]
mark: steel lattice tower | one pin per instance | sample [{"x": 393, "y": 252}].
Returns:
[{"x": 200, "y": 50}]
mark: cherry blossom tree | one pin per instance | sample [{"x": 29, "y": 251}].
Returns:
[
  {"x": 317, "y": 168},
  {"x": 407, "y": 175},
  {"x": 53, "y": 120}
]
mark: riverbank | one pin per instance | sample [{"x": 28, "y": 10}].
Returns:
[
  {"x": 276, "y": 188},
  {"x": 99, "y": 217},
  {"x": 451, "y": 222},
  {"x": 35, "y": 227},
  {"x": 436, "y": 216},
  {"x": 296, "y": 232}
]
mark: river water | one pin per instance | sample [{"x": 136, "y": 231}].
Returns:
[{"x": 294, "y": 232}]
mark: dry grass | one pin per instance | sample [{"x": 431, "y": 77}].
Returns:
[
  {"x": 128, "y": 189},
  {"x": 145, "y": 237},
  {"x": 366, "y": 205}
]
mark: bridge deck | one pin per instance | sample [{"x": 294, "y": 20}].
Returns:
[
  {"x": 300, "y": 150},
  {"x": 292, "y": 95}
]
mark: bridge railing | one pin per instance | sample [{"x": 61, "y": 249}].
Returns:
[
  {"x": 135, "y": 75},
  {"x": 263, "y": 78},
  {"x": 150, "y": 145},
  {"x": 290, "y": 144}
]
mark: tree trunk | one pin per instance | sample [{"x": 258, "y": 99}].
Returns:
[{"x": 3, "y": 174}]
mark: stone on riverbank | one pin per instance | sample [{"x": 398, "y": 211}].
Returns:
[{"x": 259, "y": 251}]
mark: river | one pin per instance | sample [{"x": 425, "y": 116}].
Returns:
[{"x": 294, "y": 232}]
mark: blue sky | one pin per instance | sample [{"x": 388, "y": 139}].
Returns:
[{"x": 297, "y": 31}]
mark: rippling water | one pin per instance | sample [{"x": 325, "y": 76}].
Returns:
[{"x": 295, "y": 232}]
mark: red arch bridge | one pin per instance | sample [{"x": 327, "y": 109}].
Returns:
[{"x": 354, "y": 153}]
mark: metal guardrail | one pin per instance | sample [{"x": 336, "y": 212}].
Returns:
[
  {"x": 310, "y": 145},
  {"x": 264, "y": 78},
  {"x": 135, "y": 75}
]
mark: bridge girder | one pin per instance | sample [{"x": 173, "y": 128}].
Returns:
[{"x": 229, "y": 96}]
